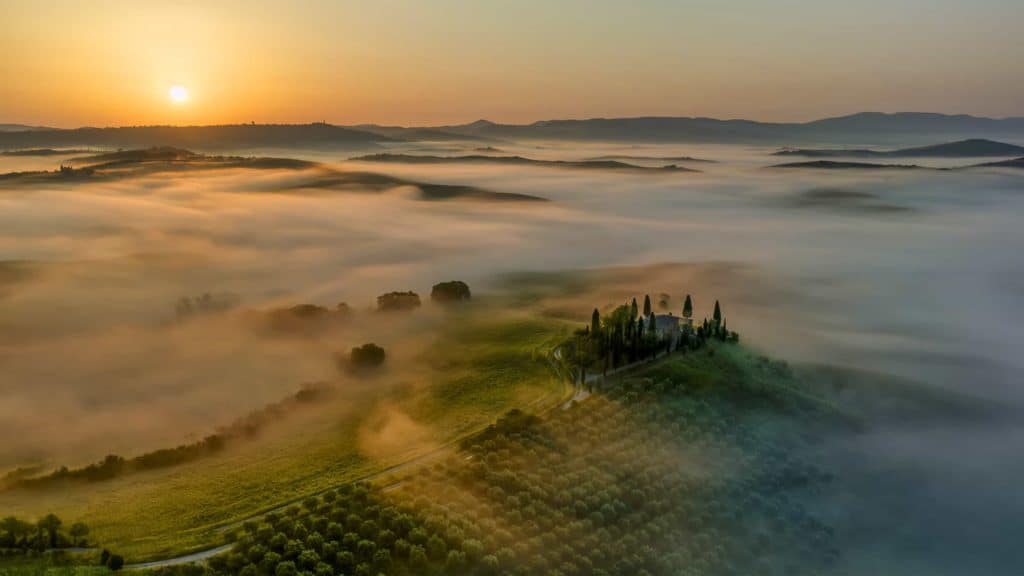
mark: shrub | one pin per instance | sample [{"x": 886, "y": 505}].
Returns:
[
  {"x": 489, "y": 564},
  {"x": 418, "y": 559},
  {"x": 436, "y": 548},
  {"x": 286, "y": 568}
]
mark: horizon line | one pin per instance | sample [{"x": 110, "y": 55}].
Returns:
[{"x": 38, "y": 127}]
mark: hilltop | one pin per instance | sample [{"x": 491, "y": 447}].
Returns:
[{"x": 973, "y": 147}]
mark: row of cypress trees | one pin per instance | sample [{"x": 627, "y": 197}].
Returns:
[{"x": 626, "y": 335}]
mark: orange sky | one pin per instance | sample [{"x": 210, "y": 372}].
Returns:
[{"x": 416, "y": 62}]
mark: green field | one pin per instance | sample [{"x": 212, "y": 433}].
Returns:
[{"x": 480, "y": 363}]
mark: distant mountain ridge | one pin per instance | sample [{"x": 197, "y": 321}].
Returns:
[
  {"x": 863, "y": 127},
  {"x": 20, "y": 128},
  {"x": 229, "y": 136},
  {"x": 867, "y": 128}
]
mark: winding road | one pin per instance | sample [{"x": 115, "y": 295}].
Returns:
[{"x": 194, "y": 557}]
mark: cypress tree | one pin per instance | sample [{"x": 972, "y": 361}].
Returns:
[
  {"x": 633, "y": 307},
  {"x": 717, "y": 316},
  {"x": 647, "y": 304},
  {"x": 595, "y": 323},
  {"x": 688, "y": 307},
  {"x": 638, "y": 337}
]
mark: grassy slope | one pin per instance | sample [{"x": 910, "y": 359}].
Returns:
[
  {"x": 479, "y": 367},
  {"x": 709, "y": 440},
  {"x": 476, "y": 371}
]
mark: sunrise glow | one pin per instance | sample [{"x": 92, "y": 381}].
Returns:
[{"x": 178, "y": 94}]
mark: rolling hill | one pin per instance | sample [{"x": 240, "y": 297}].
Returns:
[
  {"x": 970, "y": 148},
  {"x": 20, "y": 128},
  {"x": 856, "y": 128},
  {"x": 1015, "y": 163},
  {"x": 832, "y": 165}
]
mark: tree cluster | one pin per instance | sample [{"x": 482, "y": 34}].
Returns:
[
  {"x": 453, "y": 291},
  {"x": 398, "y": 301},
  {"x": 366, "y": 356},
  {"x": 205, "y": 303},
  {"x": 627, "y": 335},
  {"x": 48, "y": 533},
  {"x": 356, "y": 531},
  {"x": 302, "y": 318},
  {"x": 604, "y": 489}
]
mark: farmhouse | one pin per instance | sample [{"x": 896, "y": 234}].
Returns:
[{"x": 670, "y": 325}]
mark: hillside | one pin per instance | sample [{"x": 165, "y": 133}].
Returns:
[
  {"x": 417, "y": 134},
  {"x": 856, "y": 128},
  {"x": 20, "y": 128},
  {"x": 973, "y": 147},
  {"x": 1015, "y": 163}
]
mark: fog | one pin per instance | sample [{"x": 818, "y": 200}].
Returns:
[{"x": 916, "y": 274}]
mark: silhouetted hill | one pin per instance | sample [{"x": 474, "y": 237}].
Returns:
[
  {"x": 864, "y": 127},
  {"x": 974, "y": 147},
  {"x": 858, "y": 128},
  {"x": 516, "y": 160},
  {"x": 417, "y": 134},
  {"x": 628, "y": 157},
  {"x": 20, "y": 128},
  {"x": 45, "y": 152},
  {"x": 1015, "y": 163},
  {"x": 198, "y": 137},
  {"x": 831, "y": 165},
  {"x": 921, "y": 123},
  {"x": 154, "y": 154}
]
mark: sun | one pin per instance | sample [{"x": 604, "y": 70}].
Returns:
[{"x": 178, "y": 94}]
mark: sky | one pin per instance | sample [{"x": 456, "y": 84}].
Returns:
[{"x": 413, "y": 62}]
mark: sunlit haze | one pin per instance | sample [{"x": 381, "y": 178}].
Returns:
[
  {"x": 511, "y": 288},
  {"x": 70, "y": 63}
]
